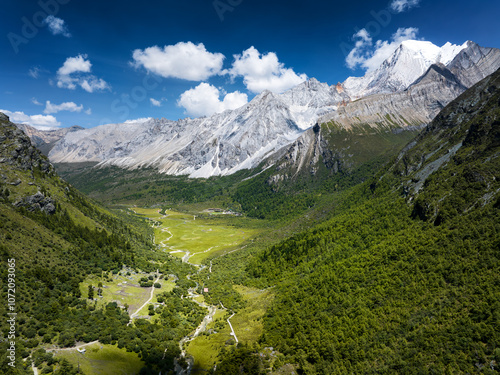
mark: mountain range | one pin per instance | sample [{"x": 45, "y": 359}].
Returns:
[{"x": 406, "y": 91}]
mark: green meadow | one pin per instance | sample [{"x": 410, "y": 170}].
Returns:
[
  {"x": 201, "y": 236},
  {"x": 103, "y": 360},
  {"x": 247, "y": 325},
  {"x": 124, "y": 289}
]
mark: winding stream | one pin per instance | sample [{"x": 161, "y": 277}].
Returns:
[
  {"x": 193, "y": 294},
  {"x": 201, "y": 328}
]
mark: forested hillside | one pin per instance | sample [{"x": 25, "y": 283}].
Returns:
[
  {"x": 405, "y": 278},
  {"x": 52, "y": 236}
]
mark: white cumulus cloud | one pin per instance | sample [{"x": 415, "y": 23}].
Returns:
[
  {"x": 204, "y": 100},
  {"x": 400, "y": 6},
  {"x": 369, "y": 56},
  {"x": 75, "y": 64},
  {"x": 76, "y": 72},
  {"x": 155, "y": 102},
  {"x": 264, "y": 72},
  {"x": 184, "y": 60},
  {"x": 57, "y": 26},
  {"x": 42, "y": 122},
  {"x": 67, "y": 106},
  {"x": 138, "y": 120}
]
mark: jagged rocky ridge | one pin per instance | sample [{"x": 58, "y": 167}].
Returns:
[
  {"x": 44, "y": 140},
  {"x": 19, "y": 154},
  {"x": 409, "y": 109},
  {"x": 221, "y": 144},
  {"x": 408, "y": 90},
  {"x": 18, "y": 151}
]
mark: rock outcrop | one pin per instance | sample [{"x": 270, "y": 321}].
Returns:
[
  {"x": 17, "y": 150},
  {"x": 38, "y": 202}
]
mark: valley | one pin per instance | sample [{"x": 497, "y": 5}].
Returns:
[
  {"x": 344, "y": 229},
  {"x": 195, "y": 239},
  {"x": 185, "y": 236}
]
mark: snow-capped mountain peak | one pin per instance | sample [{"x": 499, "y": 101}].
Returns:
[
  {"x": 407, "y": 63},
  {"x": 449, "y": 51}
]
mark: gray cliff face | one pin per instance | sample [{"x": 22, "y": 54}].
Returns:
[
  {"x": 415, "y": 106},
  {"x": 474, "y": 63},
  {"x": 423, "y": 99},
  {"x": 44, "y": 140},
  {"x": 218, "y": 145},
  {"x": 18, "y": 151}
]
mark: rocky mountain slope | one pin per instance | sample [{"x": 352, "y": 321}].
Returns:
[
  {"x": 44, "y": 140},
  {"x": 409, "y": 109},
  {"x": 408, "y": 89},
  {"x": 410, "y": 60},
  {"x": 221, "y": 144},
  {"x": 415, "y": 106}
]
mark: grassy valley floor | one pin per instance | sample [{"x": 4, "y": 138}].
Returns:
[{"x": 197, "y": 239}]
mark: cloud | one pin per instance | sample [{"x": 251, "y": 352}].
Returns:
[
  {"x": 400, "y": 6},
  {"x": 75, "y": 64},
  {"x": 156, "y": 103},
  {"x": 138, "y": 120},
  {"x": 57, "y": 26},
  {"x": 35, "y": 101},
  {"x": 41, "y": 122},
  {"x": 76, "y": 72},
  {"x": 93, "y": 83},
  {"x": 88, "y": 111},
  {"x": 370, "y": 56},
  {"x": 187, "y": 61},
  {"x": 358, "y": 54},
  {"x": 203, "y": 100},
  {"x": 263, "y": 72},
  {"x": 67, "y": 106}
]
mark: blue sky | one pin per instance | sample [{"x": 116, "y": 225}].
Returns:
[{"x": 73, "y": 62}]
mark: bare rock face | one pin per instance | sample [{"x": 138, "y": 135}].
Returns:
[
  {"x": 44, "y": 140},
  {"x": 17, "y": 151},
  {"x": 416, "y": 106},
  {"x": 17, "y": 154},
  {"x": 418, "y": 103},
  {"x": 474, "y": 63},
  {"x": 218, "y": 145},
  {"x": 38, "y": 202}
]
